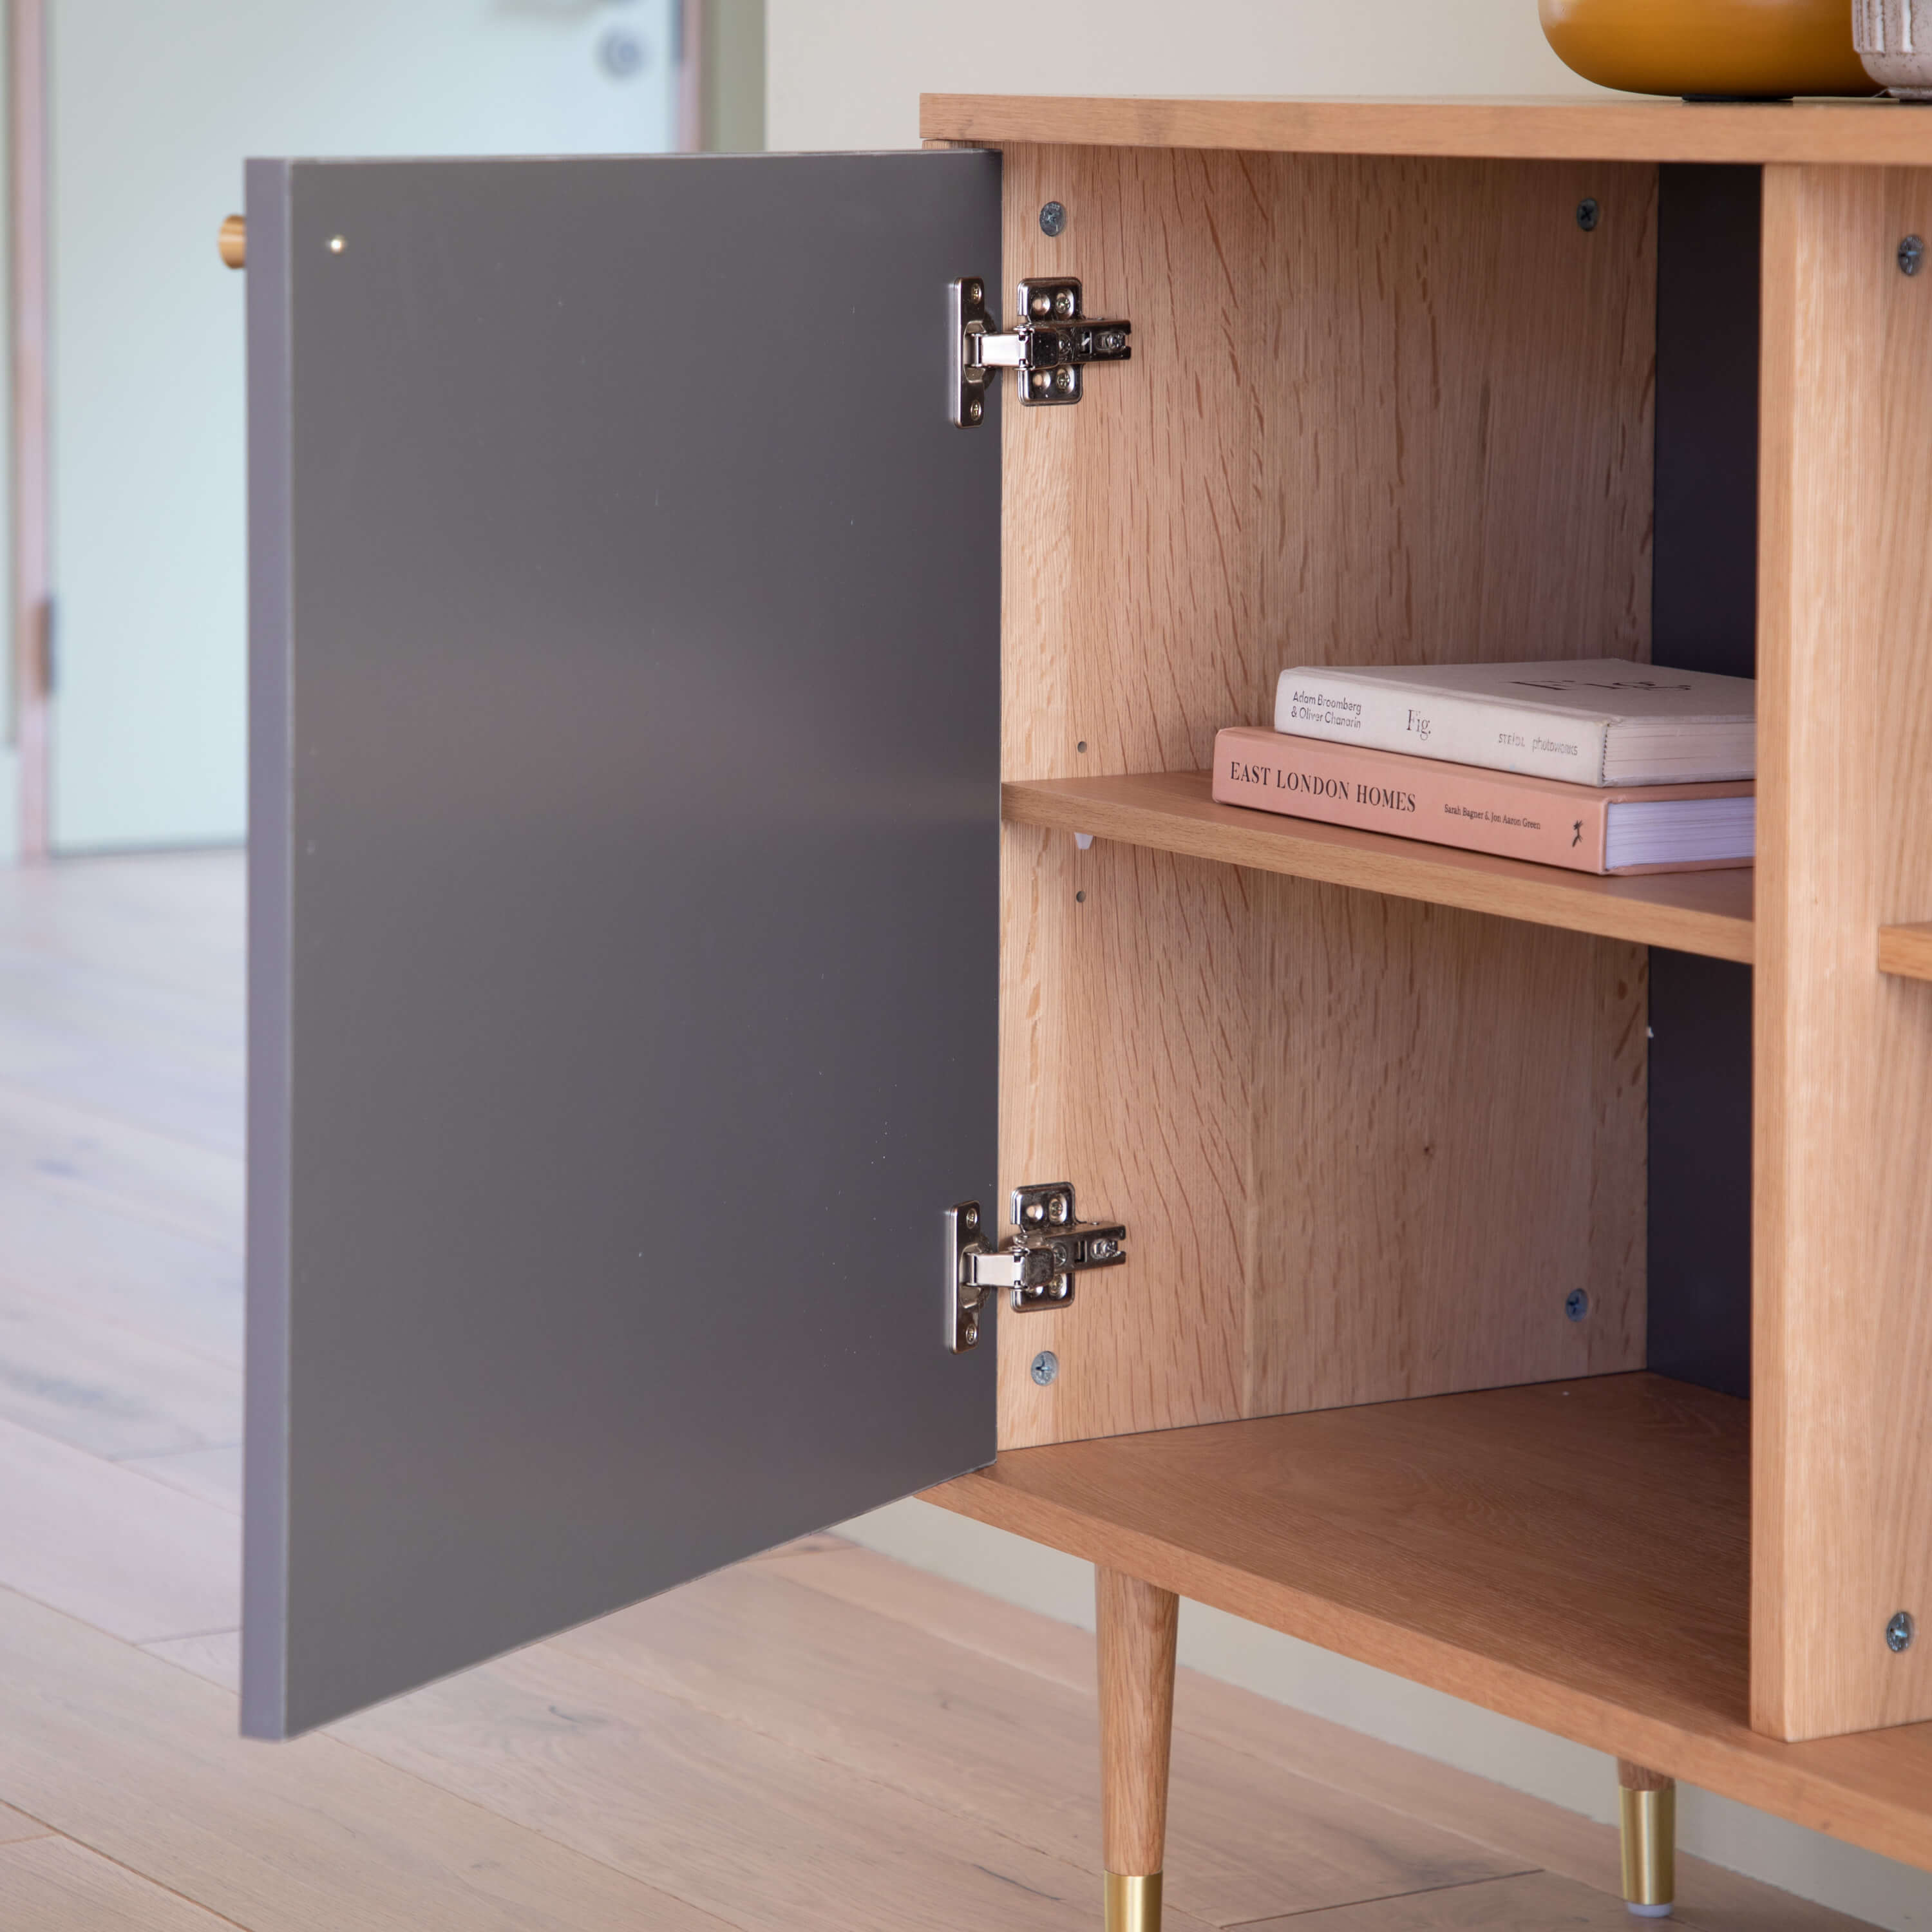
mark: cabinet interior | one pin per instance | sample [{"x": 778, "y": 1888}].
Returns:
[
  {"x": 1369, "y": 1145},
  {"x": 1373, "y": 1113}
]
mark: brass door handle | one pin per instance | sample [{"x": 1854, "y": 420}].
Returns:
[{"x": 233, "y": 241}]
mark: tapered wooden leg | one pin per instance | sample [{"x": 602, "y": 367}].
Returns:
[
  {"x": 1648, "y": 1807},
  {"x": 1137, "y": 1627}
]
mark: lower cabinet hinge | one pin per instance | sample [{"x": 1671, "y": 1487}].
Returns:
[
  {"x": 1052, "y": 342},
  {"x": 1051, "y": 1245}
]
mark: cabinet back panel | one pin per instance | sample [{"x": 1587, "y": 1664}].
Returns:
[{"x": 1381, "y": 410}]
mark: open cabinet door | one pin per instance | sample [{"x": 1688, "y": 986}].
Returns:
[{"x": 624, "y": 882}]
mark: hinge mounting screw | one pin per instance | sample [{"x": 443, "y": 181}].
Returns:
[
  {"x": 1911, "y": 253},
  {"x": 1899, "y": 1632},
  {"x": 1046, "y": 1366},
  {"x": 1053, "y": 219}
]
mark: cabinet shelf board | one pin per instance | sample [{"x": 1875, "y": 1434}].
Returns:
[
  {"x": 1574, "y": 1555},
  {"x": 1874, "y": 133},
  {"x": 1708, "y": 912},
  {"x": 1905, "y": 950}
]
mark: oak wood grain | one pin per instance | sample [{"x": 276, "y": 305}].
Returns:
[
  {"x": 1380, "y": 411},
  {"x": 1136, "y": 1625},
  {"x": 1524, "y": 128},
  {"x": 15, "y": 1825},
  {"x": 749, "y": 1829},
  {"x": 1906, "y": 949},
  {"x": 111, "y": 1547},
  {"x": 1575, "y": 1555},
  {"x": 1708, "y": 912},
  {"x": 141, "y": 1762},
  {"x": 53, "y": 1884},
  {"x": 978, "y": 1732},
  {"x": 1536, "y": 1902},
  {"x": 1842, "y": 1238}
]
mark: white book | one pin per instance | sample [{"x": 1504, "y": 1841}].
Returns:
[{"x": 1596, "y": 721}]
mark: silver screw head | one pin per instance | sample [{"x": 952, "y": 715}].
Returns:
[
  {"x": 975, "y": 410},
  {"x": 1046, "y": 1366},
  {"x": 1056, "y": 1209},
  {"x": 969, "y": 1331},
  {"x": 1066, "y": 381},
  {"x": 971, "y": 1217},
  {"x": 1899, "y": 1632},
  {"x": 1577, "y": 1305},
  {"x": 972, "y": 291},
  {"x": 1911, "y": 253},
  {"x": 1587, "y": 214},
  {"x": 1053, "y": 219},
  {"x": 1063, "y": 302}
]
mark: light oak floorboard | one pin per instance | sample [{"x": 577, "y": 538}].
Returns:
[
  {"x": 98, "y": 1386},
  {"x": 1537, "y": 1902},
  {"x": 213, "y": 1473},
  {"x": 141, "y": 1762},
  {"x": 98, "y": 1160},
  {"x": 16, "y": 1825},
  {"x": 112, "y": 1548},
  {"x": 988, "y": 1740},
  {"x": 1531, "y": 1830},
  {"x": 215, "y": 1655},
  {"x": 749, "y": 1829},
  {"x": 52, "y": 1885},
  {"x": 114, "y": 1267}
]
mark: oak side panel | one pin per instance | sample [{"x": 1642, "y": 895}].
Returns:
[
  {"x": 1843, "y": 1235},
  {"x": 1380, "y": 411}
]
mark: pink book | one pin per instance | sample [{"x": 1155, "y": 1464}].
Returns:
[{"x": 1652, "y": 828}]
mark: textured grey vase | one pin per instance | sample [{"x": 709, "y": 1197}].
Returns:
[{"x": 1893, "y": 38}]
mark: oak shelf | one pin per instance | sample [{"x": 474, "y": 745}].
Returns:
[
  {"x": 1708, "y": 912},
  {"x": 1905, "y": 950},
  {"x": 1576, "y": 1555}
]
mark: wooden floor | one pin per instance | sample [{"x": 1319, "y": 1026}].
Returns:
[{"x": 820, "y": 1739}]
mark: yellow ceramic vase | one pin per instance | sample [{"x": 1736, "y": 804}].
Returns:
[{"x": 1758, "y": 49}]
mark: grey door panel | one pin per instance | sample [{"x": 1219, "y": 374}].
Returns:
[{"x": 624, "y": 875}]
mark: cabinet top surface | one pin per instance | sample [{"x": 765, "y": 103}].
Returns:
[{"x": 1626, "y": 127}]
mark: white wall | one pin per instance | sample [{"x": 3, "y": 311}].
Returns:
[{"x": 849, "y": 73}]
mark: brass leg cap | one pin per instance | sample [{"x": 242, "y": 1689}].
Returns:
[
  {"x": 1649, "y": 1820},
  {"x": 1133, "y": 1904}
]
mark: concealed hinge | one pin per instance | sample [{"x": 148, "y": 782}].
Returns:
[
  {"x": 1051, "y": 1245},
  {"x": 1052, "y": 342}
]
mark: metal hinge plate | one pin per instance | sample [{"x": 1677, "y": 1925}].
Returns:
[
  {"x": 1051, "y": 1245},
  {"x": 1052, "y": 343}
]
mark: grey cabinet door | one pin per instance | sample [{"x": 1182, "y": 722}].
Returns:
[{"x": 624, "y": 884}]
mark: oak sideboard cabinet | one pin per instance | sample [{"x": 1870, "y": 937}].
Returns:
[{"x": 754, "y": 1012}]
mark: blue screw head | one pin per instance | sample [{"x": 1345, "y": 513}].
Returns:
[
  {"x": 1053, "y": 219},
  {"x": 1046, "y": 1366},
  {"x": 1899, "y": 1632},
  {"x": 1578, "y": 1304}
]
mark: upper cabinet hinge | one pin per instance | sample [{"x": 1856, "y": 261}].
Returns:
[
  {"x": 1052, "y": 341},
  {"x": 1050, "y": 1246}
]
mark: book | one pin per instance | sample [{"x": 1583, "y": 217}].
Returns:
[
  {"x": 1598, "y": 721},
  {"x": 1586, "y": 828}
]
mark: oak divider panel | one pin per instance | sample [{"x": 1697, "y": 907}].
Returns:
[
  {"x": 1381, "y": 410},
  {"x": 1843, "y": 1233}
]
